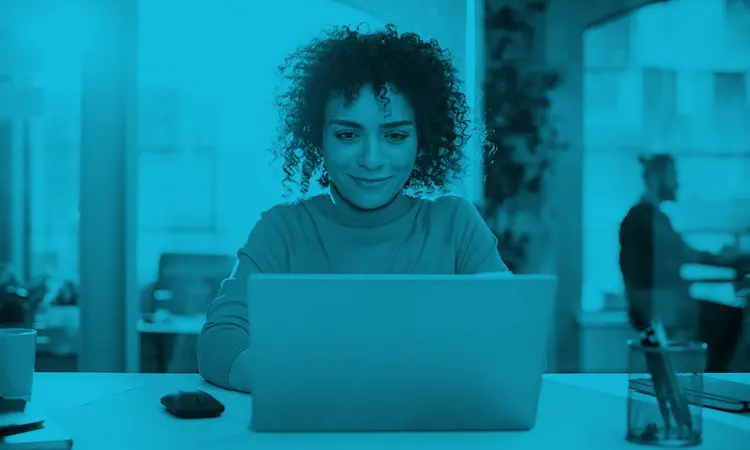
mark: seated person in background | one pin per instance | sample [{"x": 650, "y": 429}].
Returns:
[
  {"x": 369, "y": 115},
  {"x": 651, "y": 256}
]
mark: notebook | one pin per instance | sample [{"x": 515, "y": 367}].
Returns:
[
  {"x": 722, "y": 395},
  {"x": 44, "y": 436},
  {"x": 31, "y": 429}
]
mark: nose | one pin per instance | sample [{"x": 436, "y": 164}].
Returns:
[{"x": 370, "y": 157}]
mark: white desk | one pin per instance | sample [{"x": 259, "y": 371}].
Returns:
[
  {"x": 122, "y": 411},
  {"x": 186, "y": 325}
]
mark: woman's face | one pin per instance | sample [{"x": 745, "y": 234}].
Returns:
[{"x": 369, "y": 147}]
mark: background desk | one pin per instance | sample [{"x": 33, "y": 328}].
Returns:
[
  {"x": 602, "y": 334},
  {"x": 122, "y": 411},
  {"x": 184, "y": 325},
  {"x": 182, "y": 331}
]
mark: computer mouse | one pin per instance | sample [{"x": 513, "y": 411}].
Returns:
[{"x": 192, "y": 405}]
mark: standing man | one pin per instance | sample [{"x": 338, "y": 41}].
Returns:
[{"x": 651, "y": 256}]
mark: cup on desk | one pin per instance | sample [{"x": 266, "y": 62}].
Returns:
[
  {"x": 665, "y": 394},
  {"x": 17, "y": 358}
]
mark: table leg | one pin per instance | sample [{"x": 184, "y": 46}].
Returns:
[{"x": 161, "y": 352}]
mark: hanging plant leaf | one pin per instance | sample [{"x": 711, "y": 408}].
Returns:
[{"x": 521, "y": 139}]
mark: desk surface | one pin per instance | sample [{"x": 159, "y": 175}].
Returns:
[{"x": 122, "y": 411}]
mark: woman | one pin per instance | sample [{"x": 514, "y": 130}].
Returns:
[{"x": 369, "y": 115}]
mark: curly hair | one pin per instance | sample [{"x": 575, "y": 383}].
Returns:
[{"x": 344, "y": 60}]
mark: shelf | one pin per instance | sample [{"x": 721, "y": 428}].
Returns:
[{"x": 604, "y": 319}]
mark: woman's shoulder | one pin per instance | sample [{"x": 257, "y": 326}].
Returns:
[
  {"x": 449, "y": 206},
  {"x": 281, "y": 230},
  {"x": 294, "y": 220},
  {"x": 288, "y": 213},
  {"x": 459, "y": 222},
  {"x": 282, "y": 210},
  {"x": 450, "y": 215}
]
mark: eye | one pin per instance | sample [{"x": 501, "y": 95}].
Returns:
[
  {"x": 397, "y": 136},
  {"x": 346, "y": 135}
]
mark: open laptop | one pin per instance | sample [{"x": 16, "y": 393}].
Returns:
[{"x": 398, "y": 352}]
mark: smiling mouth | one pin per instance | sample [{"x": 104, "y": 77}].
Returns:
[{"x": 370, "y": 181}]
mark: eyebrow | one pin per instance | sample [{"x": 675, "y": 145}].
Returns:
[{"x": 352, "y": 124}]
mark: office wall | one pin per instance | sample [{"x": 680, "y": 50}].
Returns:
[
  {"x": 675, "y": 82},
  {"x": 40, "y": 61}
]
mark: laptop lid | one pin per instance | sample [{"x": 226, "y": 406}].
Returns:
[{"x": 398, "y": 352}]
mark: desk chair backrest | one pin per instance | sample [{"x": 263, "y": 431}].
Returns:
[{"x": 190, "y": 280}]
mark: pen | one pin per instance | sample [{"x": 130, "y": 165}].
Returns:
[
  {"x": 666, "y": 385},
  {"x": 20, "y": 429},
  {"x": 677, "y": 399},
  {"x": 653, "y": 363}
]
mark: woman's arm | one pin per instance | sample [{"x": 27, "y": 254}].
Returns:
[
  {"x": 226, "y": 334},
  {"x": 477, "y": 251},
  {"x": 240, "y": 375},
  {"x": 224, "y": 345}
]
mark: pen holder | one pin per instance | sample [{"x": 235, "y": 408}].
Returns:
[{"x": 665, "y": 394}]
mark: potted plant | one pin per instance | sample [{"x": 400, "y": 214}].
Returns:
[
  {"x": 18, "y": 304},
  {"x": 521, "y": 141}
]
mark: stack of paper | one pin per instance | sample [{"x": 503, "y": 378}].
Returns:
[{"x": 31, "y": 429}]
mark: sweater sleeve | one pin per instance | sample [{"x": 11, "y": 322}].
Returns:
[
  {"x": 226, "y": 333},
  {"x": 476, "y": 250}
]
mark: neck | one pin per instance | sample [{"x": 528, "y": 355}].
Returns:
[
  {"x": 341, "y": 210},
  {"x": 651, "y": 198}
]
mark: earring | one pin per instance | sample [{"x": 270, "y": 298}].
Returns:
[{"x": 324, "y": 180}]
